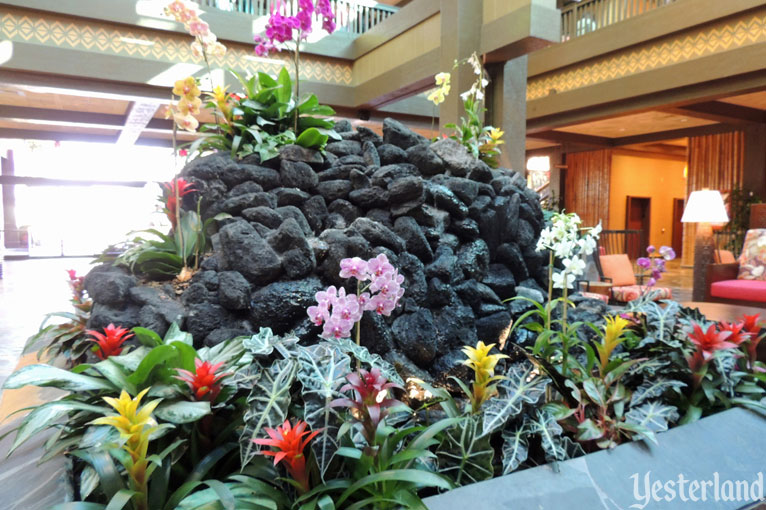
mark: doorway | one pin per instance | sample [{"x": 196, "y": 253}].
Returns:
[
  {"x": 678, "y": 227},
  {"x": 638, "y": 217}
]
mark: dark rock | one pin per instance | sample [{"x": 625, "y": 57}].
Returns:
[
  {"x": 451, "y": 365},
  {"x": 343, "y": 126},
  {"x": 510, "y": 255},
  {"x": 243, "y": 250},
  {"x": 415, "y": 284},
  {"x": 490, "y": 227},
  {"x": 244, "y": 188},
  {"x": 530, "y": 293},
  {"x": 207, "y": 278},
  {"x": 334, "y": 190},
  {"x": 406, "y": 189},
  {"x": 302, "y": 154},
  {"x": 376, "y": 335},
  {"x": 109, "y": 285},
  {"x": 290, "y": 196},
  {"x": 370, "y": 154},
  {"x": 344, "y": 208},
  {"x": 446, "y": 200},
  {"x": 492, "y": 328},
  {"x": 378, "y": 234},
  {"x": 195, "y": 293},
  {"x": 439, "y": 293},
  {"x": 500, "y": 279},
  {"x": 344, "y": 148},
  {"x": 281, "y": 304},
  {"x": 369, "y": 198},
  {"x": 396, "y": 133},
  {"x": 159, "y": 309},
  {"x": 474, "y": 259},
  {"x": 335, "y": 221},
  {"x": 203, "y": 318},
  {"x": 454, "y": 326},
  {"x": 526, "y": 235},
  {"x": 404, "y": 367},
  {"x": 315, "y": 212},
  {"x": 415, "y": 335},
  {"x": 358, "y": 179},
  {"x": 429, "y": 216},
  {"x": 409, "y": 230},
  {"x": 297, "y": 174},
  {"x": 290, "y": 211},
  {"x": 480, "y": 172},
  {"x": 289, "y": 235},
  {"x": 235, "y": 205},
  {"x": 466, "y": 229},
  {"x": 337, "y": 172},
  {"x": 233, "y": 291},
  {"x": 391, "y": 155},
  {"x": 450, "y": 241},
  {"x": 263, "y": 215},
  {"x": 384, "y": 176},
  {"x": 382, "y": 216},
  {"x": 352, "y": 160},
  {"x": 102, "y": 315},
  {"x": 268, "y": 178},
  {"x": 465, "y": 189},
  {"x": 208, "y": 167},
  {"x": 456, "y": 158},
  {"x": 298, "y": 262},
  {"x": 368, "y": 135},
  {"x": 474, "y": 294},
  {"x": 211, "y": 192},
  {"x": 427, "y": 161},
  {"x": 445, "y": 266},
  {"x": 209, "y": 263},
  {"x": 221, "y": 335}
]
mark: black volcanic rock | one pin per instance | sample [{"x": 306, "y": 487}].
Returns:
[{"x": 396, "y": 133}]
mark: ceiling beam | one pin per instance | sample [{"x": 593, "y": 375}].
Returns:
[
  {"x": 61, "y": 136},
  {"x": 719, "y": 111},
  {"x": 139, "y": 115},
  {"x": 61, "y": 117},
  {"x": 567, "y": 137},
  {"x": 672, "y": 134},
  {"x": 13, "y": 180}
]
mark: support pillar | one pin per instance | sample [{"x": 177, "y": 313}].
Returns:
[
  {"x": 508, "y": 111},
  {"x": 754, "y": 171},
  {"x": 460, "y": 36},
  {"x": 9, "y": 204}
]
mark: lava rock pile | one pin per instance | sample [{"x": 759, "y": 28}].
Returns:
[{"x": 462, "y": 234}]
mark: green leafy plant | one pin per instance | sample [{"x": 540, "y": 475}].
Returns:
[{"x": 262, "y": 120}]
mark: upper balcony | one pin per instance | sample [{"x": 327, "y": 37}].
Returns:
[
  {"x": 353, "y": 16},
  {"x": 580, "y": 17}
]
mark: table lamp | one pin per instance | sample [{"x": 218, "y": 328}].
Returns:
[{"x": 704, "y": 208}]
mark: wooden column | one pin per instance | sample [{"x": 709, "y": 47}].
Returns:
[
  {"x": 9, "y": 204},
  {"x": 754, "y": 171},
  {"x": 460, "y": 36}
]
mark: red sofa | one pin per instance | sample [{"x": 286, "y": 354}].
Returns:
[{"x": 723, "y": 287}]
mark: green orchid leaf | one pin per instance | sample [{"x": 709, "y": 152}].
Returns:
[
  {"x": 653, "y": 416},
  {"x": 515, "y": 448},
  {"x": 465, "y": 455},
  {"x": 556, "y": 446},
  {"x": 654, "y": 388},
  {"x": 323, "y": 370},
  {"x": 182, "y": 411},
  {"x": 267, "y": 405},
  {"x": 523, "y": 386},
  {"x": 265, "y": 342},
  {"x": 311, "y": 138},
  {"x": 46, "y": 375}
]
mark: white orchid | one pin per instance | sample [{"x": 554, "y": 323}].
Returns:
[
  {"x": 562, "y": 279},
  {"x": 574, "y": 266}
]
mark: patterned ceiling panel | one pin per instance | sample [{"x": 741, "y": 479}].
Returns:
[
  {"x": 726, "y": 34},
  {"x": 91, "y": 35}
]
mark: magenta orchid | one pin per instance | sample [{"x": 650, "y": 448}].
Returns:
[
  {"x": 338, "y": 312},
  {"x": 655, "y": 265},
  {"x": 280, "y": 28}
]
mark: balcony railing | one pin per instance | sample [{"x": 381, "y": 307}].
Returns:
[
  {"x": 590, "y": 15},
  {"x": 350, "y": 16}
]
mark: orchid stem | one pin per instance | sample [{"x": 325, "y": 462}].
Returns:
[
  {"x": 550, "y": 292},
  {"x": 358, "y": 324},
  {"x": 297, "y": 55},
  {"x": 177, "y": 228}
]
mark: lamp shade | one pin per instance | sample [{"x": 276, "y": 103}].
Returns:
[{"x": 705, "y": 206}]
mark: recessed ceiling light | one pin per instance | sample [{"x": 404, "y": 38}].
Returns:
[
  {"x": 622, "y": 129},
  {"x": 684, "y": 120}
]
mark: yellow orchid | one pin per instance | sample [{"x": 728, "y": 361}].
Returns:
[
  {"x": 186, "y": 88},
  {"x": 442, "y": 78},
  {"x": 483, "y": 365},
  {"x": 186, "y": 122},
  {"x": 613, "y": 331},
  {"x": 187, "y": 106}
]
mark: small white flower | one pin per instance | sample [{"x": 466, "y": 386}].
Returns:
[
  {"x": 563, "y": 249},
  {"x": 464, "y": 96},
  {"x": 563, "y": 278},
  {"x": 575, "y": 266},
  {"x": 484, "y": 82}
]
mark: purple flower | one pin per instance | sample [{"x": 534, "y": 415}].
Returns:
[
  {"x": 280, "y": 28},
  {"x": 651, "y": 282},
  {"x": 659, "y": 264},
  {"x": 656, "y": 275},
  {"x": 650, "y": 249},
  {"x": 355, "y": 267},
  {"x": 379, "y": 266},
  {"x": 667, "y": 253},
  {"x": 644, "y": 262}
]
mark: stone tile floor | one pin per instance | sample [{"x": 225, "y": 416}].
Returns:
[{"x": 28, "y": 290}]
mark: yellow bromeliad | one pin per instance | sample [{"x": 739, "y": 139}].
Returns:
[
  {"x": 495, "y": 134},
  {"x": 483, "y": 365},
  {"x": 135, "y": 426},
  {"x": 613, "y": 331}
]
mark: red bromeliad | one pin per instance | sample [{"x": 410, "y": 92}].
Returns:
[
  {"x": 203, "y": 382},
  {"x": 736, "y": 334},
  {"x": 752, "y": 324},
  {"x": 290, "y": 442},
  {"x": 184, "y": 188},
  {"x": 707, "y": 343},
  {"x": 371, "y": 403},
  {"x": 110, "y": 342}
]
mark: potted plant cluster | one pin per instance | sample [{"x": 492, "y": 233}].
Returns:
[{"x": 265, "y": 422}]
